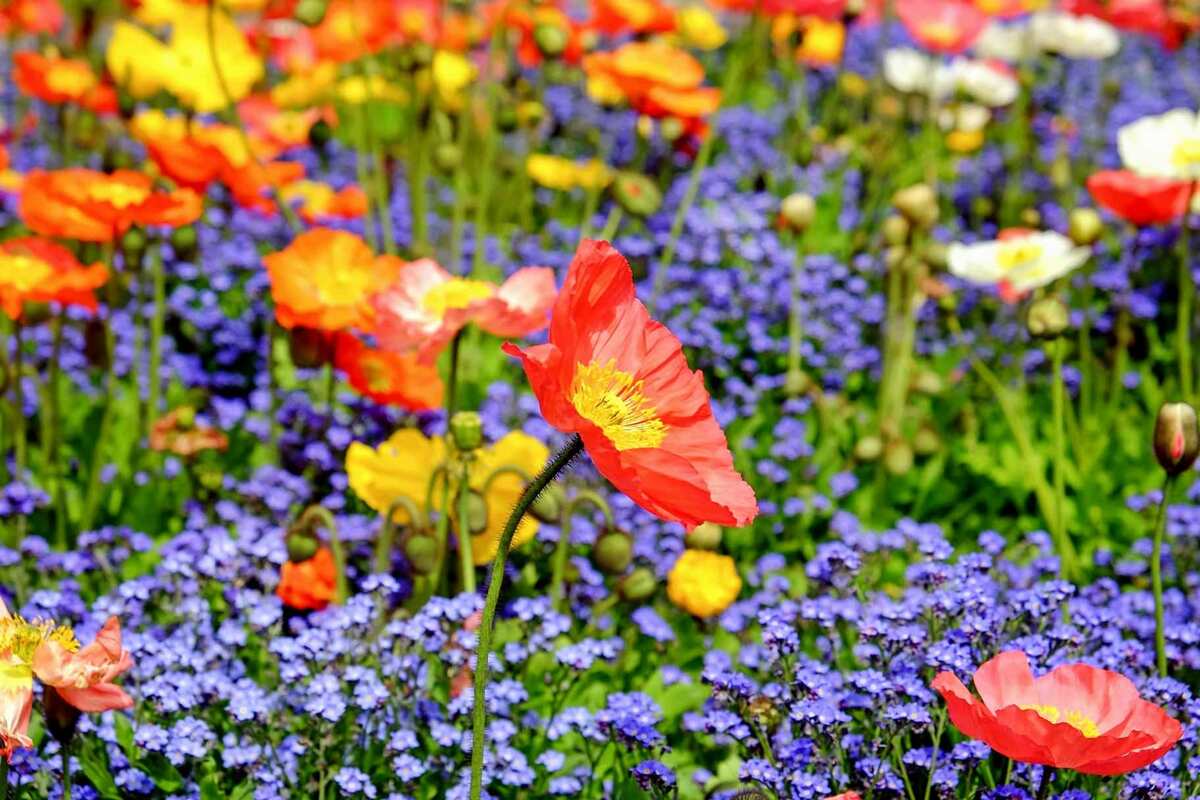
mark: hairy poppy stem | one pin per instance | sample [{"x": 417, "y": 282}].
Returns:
[
  {"x": 1160, "y": 528},
  {"x": 543, "y": 479}
]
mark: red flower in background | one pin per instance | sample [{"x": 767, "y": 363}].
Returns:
[
  {"x": 1138, "y": 199},
  {"x": 40, "y": 271},
  {"x": 62, "y": 80},
  {"x": 31, "y": 16},
  {"x": 389, "y": 378},
  {"x": 95, "y": 206},
  {"x": 825, "y": 9},
  {"x": 1075, "y": 717},
  {"x": 621, "y": 381},
  {"x": 1149, "y": 17},
  {"x": 943, "y": 26},
  {"x": 615, "y": 17},
  {"x": 308, "y": 585}
]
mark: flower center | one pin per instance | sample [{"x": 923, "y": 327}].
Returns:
[
  {"x": 70, "y": 78},
  {"x": 22, "y": 272},
  {"x": 613, "y": 401},
  {"x": 342, "y": 284},
  {"x": 456, "y": 293},
  {"x": 117, "y": 194},
  {"x": 1018, "y": 253},
  {"x": 1187, "y": 154},
  {"x": 19, "y": 638},
  {"x": 1075, "y": 719},
  {"x": 940, "y": 33}
]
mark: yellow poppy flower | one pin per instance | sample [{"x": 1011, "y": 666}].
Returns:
[
  {"x": 452, "y": 72},
  {"x": 138, "y": 62},
  {"x": 305, "y": 89},
  {"x": 700, "y": 28},
  {"x": 515, "y": 449},
  {"x": 400, "y": 467}
]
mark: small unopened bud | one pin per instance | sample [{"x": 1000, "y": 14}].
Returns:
[
  {"x": 671, "y": 128},
  {"x": 637, "y": 194},
  {"x": 552, "y": 40},
  {"x": 548, "y": 505},
  {"x": 133, "y": 246},
  {"x": 301, "y": 545},
  {"x": 447, "y": 156},
  {"x": 1176, "y": 437},
  {"x": 926, "y": 441},
  {"x": 1031, "y": 218},
  {"x": 310, "y": 12},
  {"x": 466, "y": 428},
  {"x": 928, "y": 382},
  {"x": 868, "y": 448},
  {"x": 898, "y": 457},
  {"x": 644, "y": 126},
  {"x": 421, "y": 552},
  {"x": 638, "y": 585},
  {"x": 183, "y": 241},
  {"x": 764, "y": 711},
  {"x": 797, "y": 383},
  {"x": 798, "y": 210},
  {"x": 935, "y": 254},
  {"x": 477, "y": 513},
  {"x": 918, "y": 203},
  {"x": 705, "y": 537},
  {"x": 613, "y": 552},
  {"x": 1084, "y": 226},
  {"x": 1048, "y": 318},
  {"x": 895, "y": 230},
  {"x": 320, "y": 134}
]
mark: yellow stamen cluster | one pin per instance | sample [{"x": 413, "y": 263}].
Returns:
[
  {"x": 22, "y": 272},
  {"x": 613, "y": 401},
  {"x": 1018, "y": 253},
  {"x": 117, "y": 194},
  {"x": 1187, "y": 153},
  {"x": 341, "y": 284},
  {"x": 20, "y": 638},
  {"x": 455, "y": 293},
  {"x": 1075, "y": 719}
]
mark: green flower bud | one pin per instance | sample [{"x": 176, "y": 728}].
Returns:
[
  {"x": 1084, "y": 226},
  {"x": 1031, "y": 218},
  {"x": 477, "y": 513},
  {"x": 935, "y": 254},
  {"x": 183, "y": 241},
  {"x": 926, "y": 441},
  {"x": 919, "y": 205},
  {"x": 898, "y": 457},
  {"x": 548, "y": 505},
  {"x": 466, "y": 428},
  {"x": 798, "y": 210},
  {"x": 1176, "y": 437},
  {"x": 868, "y": 448},
  {"x": 705, "y": 537},
  {"x": 447, "y": 156},
  {"x": 637, "y": 194},
  {"x": 422, "y": 54},
  {"x": 185, "y": 418},
  {"x": 671, "y": 129},
  {"x": 895, "y": 230},
  {"x": 552, "y": 40},
  {"x": 133, "y": 246},
  {"x": 638, "y": 585},
  {"x": 928, "y": 382},
  {"x": 797, "y": 383},
  {"x": 1047, "y": 318},
  {"x": 320, "y": 134},
  {"x": 421, "y": 552},
  {"x": 310, "y": 12},
  {"x": 613, "y": 551},
  {"x": 301, "y": 545}
]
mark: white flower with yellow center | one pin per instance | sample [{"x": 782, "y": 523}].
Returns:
[
  {"x": 1163, "y": 146},
  {"x": 1017, "y": 263},
  {"x": 1073, "y": 35},
  {"x": 910, "y": 71}
]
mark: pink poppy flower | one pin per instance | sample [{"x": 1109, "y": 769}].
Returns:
[
  {"x": 426, "y": 306},
  {"x": 85, "y": 678},
  {"x": 16, "y": 704},
  {"x": 943, "y": 26}
]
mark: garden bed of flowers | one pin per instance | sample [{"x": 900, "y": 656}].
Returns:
[{"x": 731, "y": 399}]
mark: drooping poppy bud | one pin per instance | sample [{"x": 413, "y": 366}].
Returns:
[
  {"x": 798, "y": 210},
  {"x": 637, "y": 194},
  {"x": 705, "y": 537},
  {"x": 918, "y": 203},
  {"x": 548, "y": 505},
  {"x": 613, "y": 552},
  {"x": 638, "y": 585},
  {"x": 421, "y": 551},
  {"x": 1176, "y": 437},
  {"x": 1048, "y": 318},
  {"x": 1084, "y": 226}
]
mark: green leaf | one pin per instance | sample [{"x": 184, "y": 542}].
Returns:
[
  {"x": 125, "y": 736},
  {"x": 94, "y": 763},
  {"x": 161, "y": 771}
]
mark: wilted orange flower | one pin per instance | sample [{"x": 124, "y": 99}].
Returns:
[
  {"x": 95, "y": 206},
  {"x": 657, "y": 79},
  {"x": 62, "y": 80},
  {"x": 326, "y": 279},
  {"x": 36, "y": 270},
  {"x": 389, "y": 378},
  {"x": 319, "y": 201},
  {"x": 177, "y": 432},
  {"x": 308, "y": 585}
]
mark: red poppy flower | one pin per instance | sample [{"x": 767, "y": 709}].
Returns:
[
  {"x": 94, "y": 206},
  {"x": 620, "y": 380},
  {"x": 31, "y": 16},
  {"x": 308, "y": 585},
  {"x": 1138, "y": 199},
  {"x": 389, "y": 378},
  {"x": 944, "y": 26},
  {"x": 616, "y": 17},
  {"x": 40, "y": 271},
  {"x": 825, "y": 9},
  {"x": 1150, "y": 17},
  {"x": 1075, "y": 717},
  {"x": 62, "y": 80}
]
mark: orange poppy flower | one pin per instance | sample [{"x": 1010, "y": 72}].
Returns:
[
  {"x": 353, "y": 29},
  {"x": 656, "y": 78},
  {"x": 620, "y": 380},
  {"x": 1075, "y": 717},
  {"x": 615, "y": 17},
  {"x": 62, "y": 80},
  {"x": 943, "y": 26},
  {"x": 276, "y": 128},
  {"x": 525, "y": 19},
  {"x": 40, "y": 271},
  {"x": 308, "y": 585},
  {"x": 319, "y": 201},
  {"x": 325, "y": 279},
  {"x": 92, "y": 206},
  {"x": 31, "y": 16},
  {"x": 389, "y": 378},
  {"x": 426, "y": 306}
]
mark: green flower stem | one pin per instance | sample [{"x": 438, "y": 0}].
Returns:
[
  {"x": 156, "y": 335},
  {"x": 387, "y": 534},
  {"x": 319, "y": 514},
  {"x": 795, "y": 320},
  {"x": 452, "y": 376},
  {"x": 66, "y": 773},
  {"x": 1058, "y": 400},
  {"x": 458, "y": 213},
  {"x": 558, "y": 585},
  {"x": 1187, "y": 301},
  {"x": 92, "y": 498},
  {"x": 612, "y": 223},
  {"x": 557, "y": 464},
  {"x": 18, "y": 401},
  {"x": 54, "y": 445},
  {"x": 466, "y": 559},
  {"x": 364, "y": 174},
  {"x": 1160, "y": 529},
  {"x": 418, "y": 192},
  {"x": 685, "y": 205}
]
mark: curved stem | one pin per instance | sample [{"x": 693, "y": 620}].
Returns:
[
  {"x": 1060, "y": 456},
  {"x": 320, "y": 514},
  {"x": 387, "y": 535},
  {"x": 507, "y": 469},
  {"x": 479, "y": 712},
  {"x": 558, "y": 590},
  {"x": 466, "y": 559},
  {"x": 1160, "y": 529},
  {"x": 452, "y": 382}
]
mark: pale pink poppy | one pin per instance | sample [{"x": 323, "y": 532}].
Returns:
[
  {"x": 426, "y": 306},
  {"x": 85, "y": 678},
  {"x": 16, "y": 703}
]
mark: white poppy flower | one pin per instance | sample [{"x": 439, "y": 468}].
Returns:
[
  {"x": 1018, "y": 263},
  {"x": 910, "y": 71},
  {"x": 990, "y": 84},
  {"x": 1074, "y": 36},
  {"x": 1163, "y": 146},
  {"x": 1010, "y": 43}
]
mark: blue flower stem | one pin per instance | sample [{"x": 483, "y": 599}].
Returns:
[
  {"x": 1160, "y": 529},
  {"x": 556, "y": 465}
]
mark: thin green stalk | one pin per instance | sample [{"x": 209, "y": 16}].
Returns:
[
  {"x": 1059, "y": 394},
  {"x": 157, "y": 321},
  {"x": 685, "y": 205},
  {"x": 92, "y": 498},
  {"x": 54, "y": 446},
  {"x": 417, "y": 187},
  {"x": 466, "y": 558},
  {"x": 387, "y": 534},
  {"x": 452, "y": 377},
  {"x": 1160, "y": 529},
  {"x": 562, "y": 549},
  {"x": 612, "y": 223},
  {"x": 320, "y": 514},
  {"x": 556, "y": 465},
  {"x": 364, "y": 175},
  {"x": 66, "y": 771},
  {"x": 933, "y": 759},
  {"x": 795, "y": 320},
  {"x": 17, "y": 375},
  {"x": 1187, "y": 301}
]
